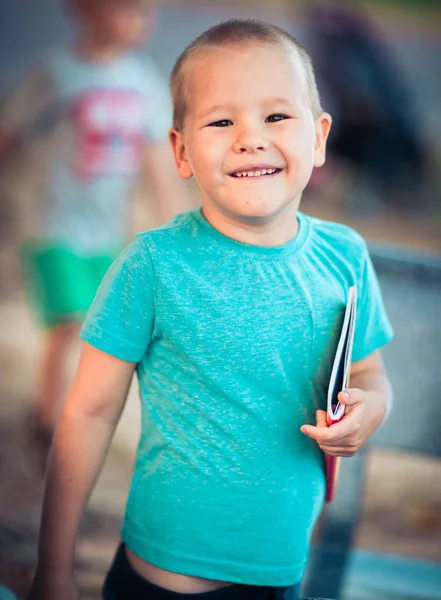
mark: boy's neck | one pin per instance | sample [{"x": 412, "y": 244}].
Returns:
[
  {"x": 97, "y": 50},
  {"x": 276, "y": 232}
]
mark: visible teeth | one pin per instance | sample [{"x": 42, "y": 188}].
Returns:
[{"x": 257, "y": 173}]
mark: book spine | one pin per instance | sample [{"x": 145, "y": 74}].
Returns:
[{"x": 332, "y": 465}]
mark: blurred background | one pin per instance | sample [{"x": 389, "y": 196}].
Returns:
[{"x": 377, "y": 64}]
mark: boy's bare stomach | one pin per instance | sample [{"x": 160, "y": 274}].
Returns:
[{"x": 184, "y": 584}]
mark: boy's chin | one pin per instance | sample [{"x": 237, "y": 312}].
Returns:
[
  {"x": 255, "y": 212},
  {"x": 260, "y": 214}
]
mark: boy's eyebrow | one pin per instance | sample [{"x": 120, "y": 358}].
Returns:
[
  {"x": 280, "y": 101},
  {"x": 227, "y": 107},
  {"x": 212, "y": 109}
]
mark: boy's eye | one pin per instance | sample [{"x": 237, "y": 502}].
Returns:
[
  {"x": 221, "y": 123},
  {"x": 276, "y": 118}
]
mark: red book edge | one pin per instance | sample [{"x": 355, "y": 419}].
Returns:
[{"x": 332, "y": 465}]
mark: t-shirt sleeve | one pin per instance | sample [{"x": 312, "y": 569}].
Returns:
[
  {"x": 121, "y": 318},
  {"x": 373, "y": 329},
  {"x": 28, "y": 102},
  {"x": 159, "y": 106}
]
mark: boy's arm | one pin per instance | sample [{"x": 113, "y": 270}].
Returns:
[
  {"x": 81, "y": 442},
  {"x": 27, "y": 102},
  {"x": 367, "y": 403},
  {"x": 168, "y": 191}
]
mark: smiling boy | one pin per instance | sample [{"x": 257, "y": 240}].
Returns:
[
  {"x": 264, "y": 119},
  {"x": 230, "y": 316}
]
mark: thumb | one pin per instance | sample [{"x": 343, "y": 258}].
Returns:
[
  {"x": 345, "y": 397},
  {"x": 321, "y": 418}
]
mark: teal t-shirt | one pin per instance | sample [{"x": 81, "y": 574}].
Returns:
[{"x": 234, "y": 345}]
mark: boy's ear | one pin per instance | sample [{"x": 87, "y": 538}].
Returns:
[
  {"x": 322, "y": 128},
  {"x": 181, "y": 159}
]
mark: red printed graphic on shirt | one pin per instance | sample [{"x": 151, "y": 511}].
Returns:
[{"x": 109, "y": 128}]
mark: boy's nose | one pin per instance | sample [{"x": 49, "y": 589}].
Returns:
[{"x": 250, "y": 141}]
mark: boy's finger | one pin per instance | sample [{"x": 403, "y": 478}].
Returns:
[
  {"x": 320, "y": 434},
  {"x": 350, "y": 396},
  {"x": 321, "y": 422},
  {"x": 346, "y": 398},
  {"x": 321, "y": 419},
  {"x": 334, "y": 434}
]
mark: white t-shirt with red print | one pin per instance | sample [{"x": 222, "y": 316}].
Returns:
[{"x": 91, "y": 121}]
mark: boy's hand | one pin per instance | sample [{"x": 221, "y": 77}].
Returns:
[{"x": 346, "y": 437}]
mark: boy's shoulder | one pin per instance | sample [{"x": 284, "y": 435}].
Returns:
[
  {"x": 335, "y": 236},
  {"x": 182, "y": 229}
]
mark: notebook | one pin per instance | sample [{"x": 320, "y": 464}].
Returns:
[{"x": 339, "y": 381}]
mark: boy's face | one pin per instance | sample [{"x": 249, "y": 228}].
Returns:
[
  {"x": 125, "y": 23},
  {"x": 249, "y": 137}
]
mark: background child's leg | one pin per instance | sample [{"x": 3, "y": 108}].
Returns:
[
  {"x": 61, "y": 286},
  {"x": 53, "y": 374}
]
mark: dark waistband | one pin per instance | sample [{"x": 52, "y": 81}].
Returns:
[{"x": 124, "y": 582}]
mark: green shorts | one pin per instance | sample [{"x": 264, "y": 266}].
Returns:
[{"x": 60, "y": 283}]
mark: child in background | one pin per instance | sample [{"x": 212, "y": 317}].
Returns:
[
  {"x": 102, "y": 116},
  {"x": 230, "y": 316}
]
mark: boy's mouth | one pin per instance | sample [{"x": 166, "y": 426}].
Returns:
[{"x": 255, "y": 172}]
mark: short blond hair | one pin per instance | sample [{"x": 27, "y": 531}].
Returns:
[{"x": 240, "y": 32}]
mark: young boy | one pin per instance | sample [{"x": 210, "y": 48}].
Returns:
[
  {"x": 230, "y": 316},
  {"x": 100, "y": 115}
]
